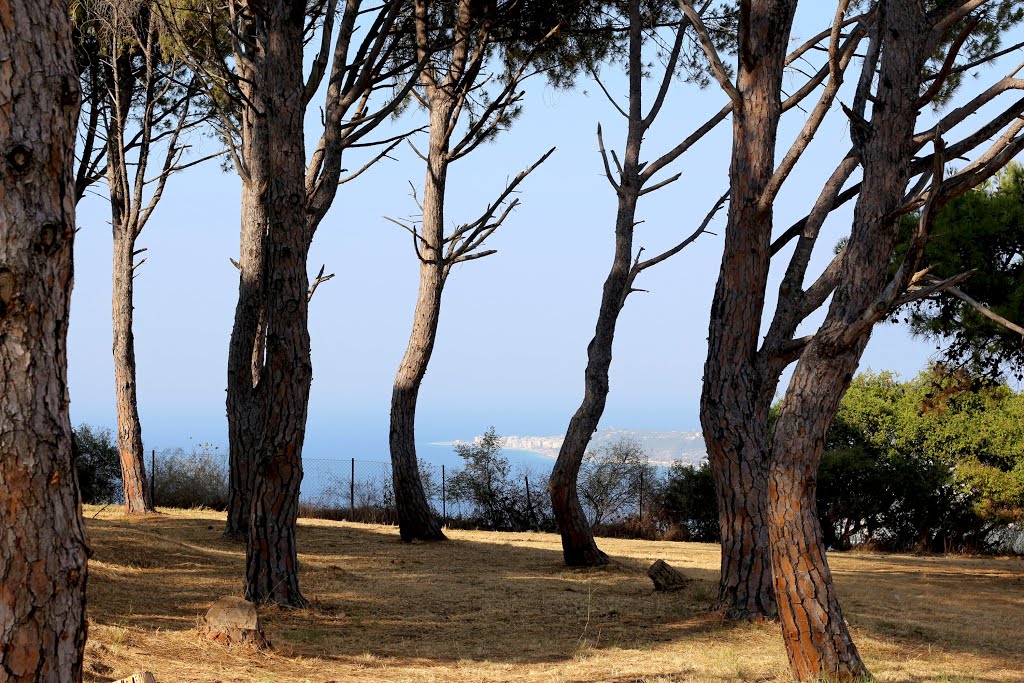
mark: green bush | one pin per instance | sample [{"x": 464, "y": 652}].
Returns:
[
  {"x": 688, "y": 505},
  {"x": 935, "y": 463},
  {"x": 98, "y": 465},
  {"x": 493, "y": 497}
]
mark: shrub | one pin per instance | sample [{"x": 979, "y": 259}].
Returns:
[
  {"x": 98, "y": 465},
  {"x": 191, "y": 480},
  {"x": 933, "y": 464},
  {"x": 610, "y": 481},
  {"x": 495, "y": 498},
  {"x": 688, "y": 505}
]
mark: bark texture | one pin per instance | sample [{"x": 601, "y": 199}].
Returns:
[
  {"x": 271, "y": 553},
  {"x": 359, "y": 63},
  {"x": 137, "y": 496},
  {"x": 43, "y": 546},
  {"x": 248, "y": 332},
  {"x": 817, "y": 640},
  {"x": 736, "y": 395},
  {"x": 121, "y": 86},
  {"x": 416, "y": 520}
]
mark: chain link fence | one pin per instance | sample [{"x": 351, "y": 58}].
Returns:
[{"x": 361, "y": 491}]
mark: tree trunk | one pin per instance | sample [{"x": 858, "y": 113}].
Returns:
[
  {"x": 735, "y": 396},
  {"x": 578, "y": 546},
  {"x": 121, "y": 84},
  {"x": 246, "y": 347},
  {"x": 44, "y": 549},
  {"x": 137, "y": 499},
  {"x": 272, "y": 565},
  {"x": 248, "y": 332},
  {"x": 817, "y": 640},
  {"x": 416, "y": 520},
  {"x": 741, "y": 485},
  {"x": 283, "y": 390}
]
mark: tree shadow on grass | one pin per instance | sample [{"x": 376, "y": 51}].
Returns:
[
  {"x": 973, "y": 605},
  {"x": 504, "y": 601},
  {"x": 508, "y": 598}
]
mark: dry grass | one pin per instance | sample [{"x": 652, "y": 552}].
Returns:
[{"x": 501, "y": 607}]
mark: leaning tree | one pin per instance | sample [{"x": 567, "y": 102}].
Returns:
[
  {"x": 635, "y": 178},
  {"x": 44, "y": 548},
  {"x": 915, "y": 56},
  {"x": 457, "y": 43},
  {"x": 745, "y": 587}
]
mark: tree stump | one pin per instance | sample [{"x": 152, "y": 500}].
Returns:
[
  {"x": 666, "y": 578},
  {"x": 233, "y": 620},
  {"x": 141, "y": 677}
]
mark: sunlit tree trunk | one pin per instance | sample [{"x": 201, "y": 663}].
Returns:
[
  {"x": 416, "y": 521},
  {"x": 121, "y": 86},
  {"x": 817, "y": 639},
  {"x": 129, "y": 430},
  {"x": 43, "y": 554},
  {"x": 733, "y": 415}
]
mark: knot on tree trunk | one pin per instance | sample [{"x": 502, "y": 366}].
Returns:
[{"x": 665, "y": 577}]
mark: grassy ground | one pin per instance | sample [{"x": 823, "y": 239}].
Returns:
[{"x": 501, "y": 607}]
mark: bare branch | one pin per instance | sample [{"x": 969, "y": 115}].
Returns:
[
  {"x": 604, "y": 159},
  {"x": 717, "y": 68},
  {"x": 984, "y": 310},
  {"x": 658, "y": 186},
  {"x": 470, "y": 257},
  {"x": 371, "y": 162},
  {"x": 607, "y": 94},
  {"x": 837, "y": 61},
  {"x": 416, "y": 151},
  {"x": 319, "y": 68},
  {"x": 639, "y": 266},
  {"x": 319, "y": 280},
  {"x": 472, "y": 235},
  {"x": 948, "y": 63},
  {"x": 916, "y": 292}
]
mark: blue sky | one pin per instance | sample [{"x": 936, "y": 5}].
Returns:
[{"x": 512, "y": 343}]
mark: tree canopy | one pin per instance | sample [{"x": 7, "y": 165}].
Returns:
[{"x": 981, "y": 232}]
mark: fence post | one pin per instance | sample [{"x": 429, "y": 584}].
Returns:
[
  {"x": 444, "y": 502},
  {"x": 641, "y": 504},
  {"x": 352, "y": 493},
  {"x": 529, "y": 502},
  {"x": 152, "y": 477}
]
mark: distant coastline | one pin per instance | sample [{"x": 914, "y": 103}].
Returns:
[{"x": 664, "y": 448}]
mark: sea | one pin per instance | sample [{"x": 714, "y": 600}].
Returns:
[
  {"x": 438, "y": 454},
  {"x": 323, "y": 474}
]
